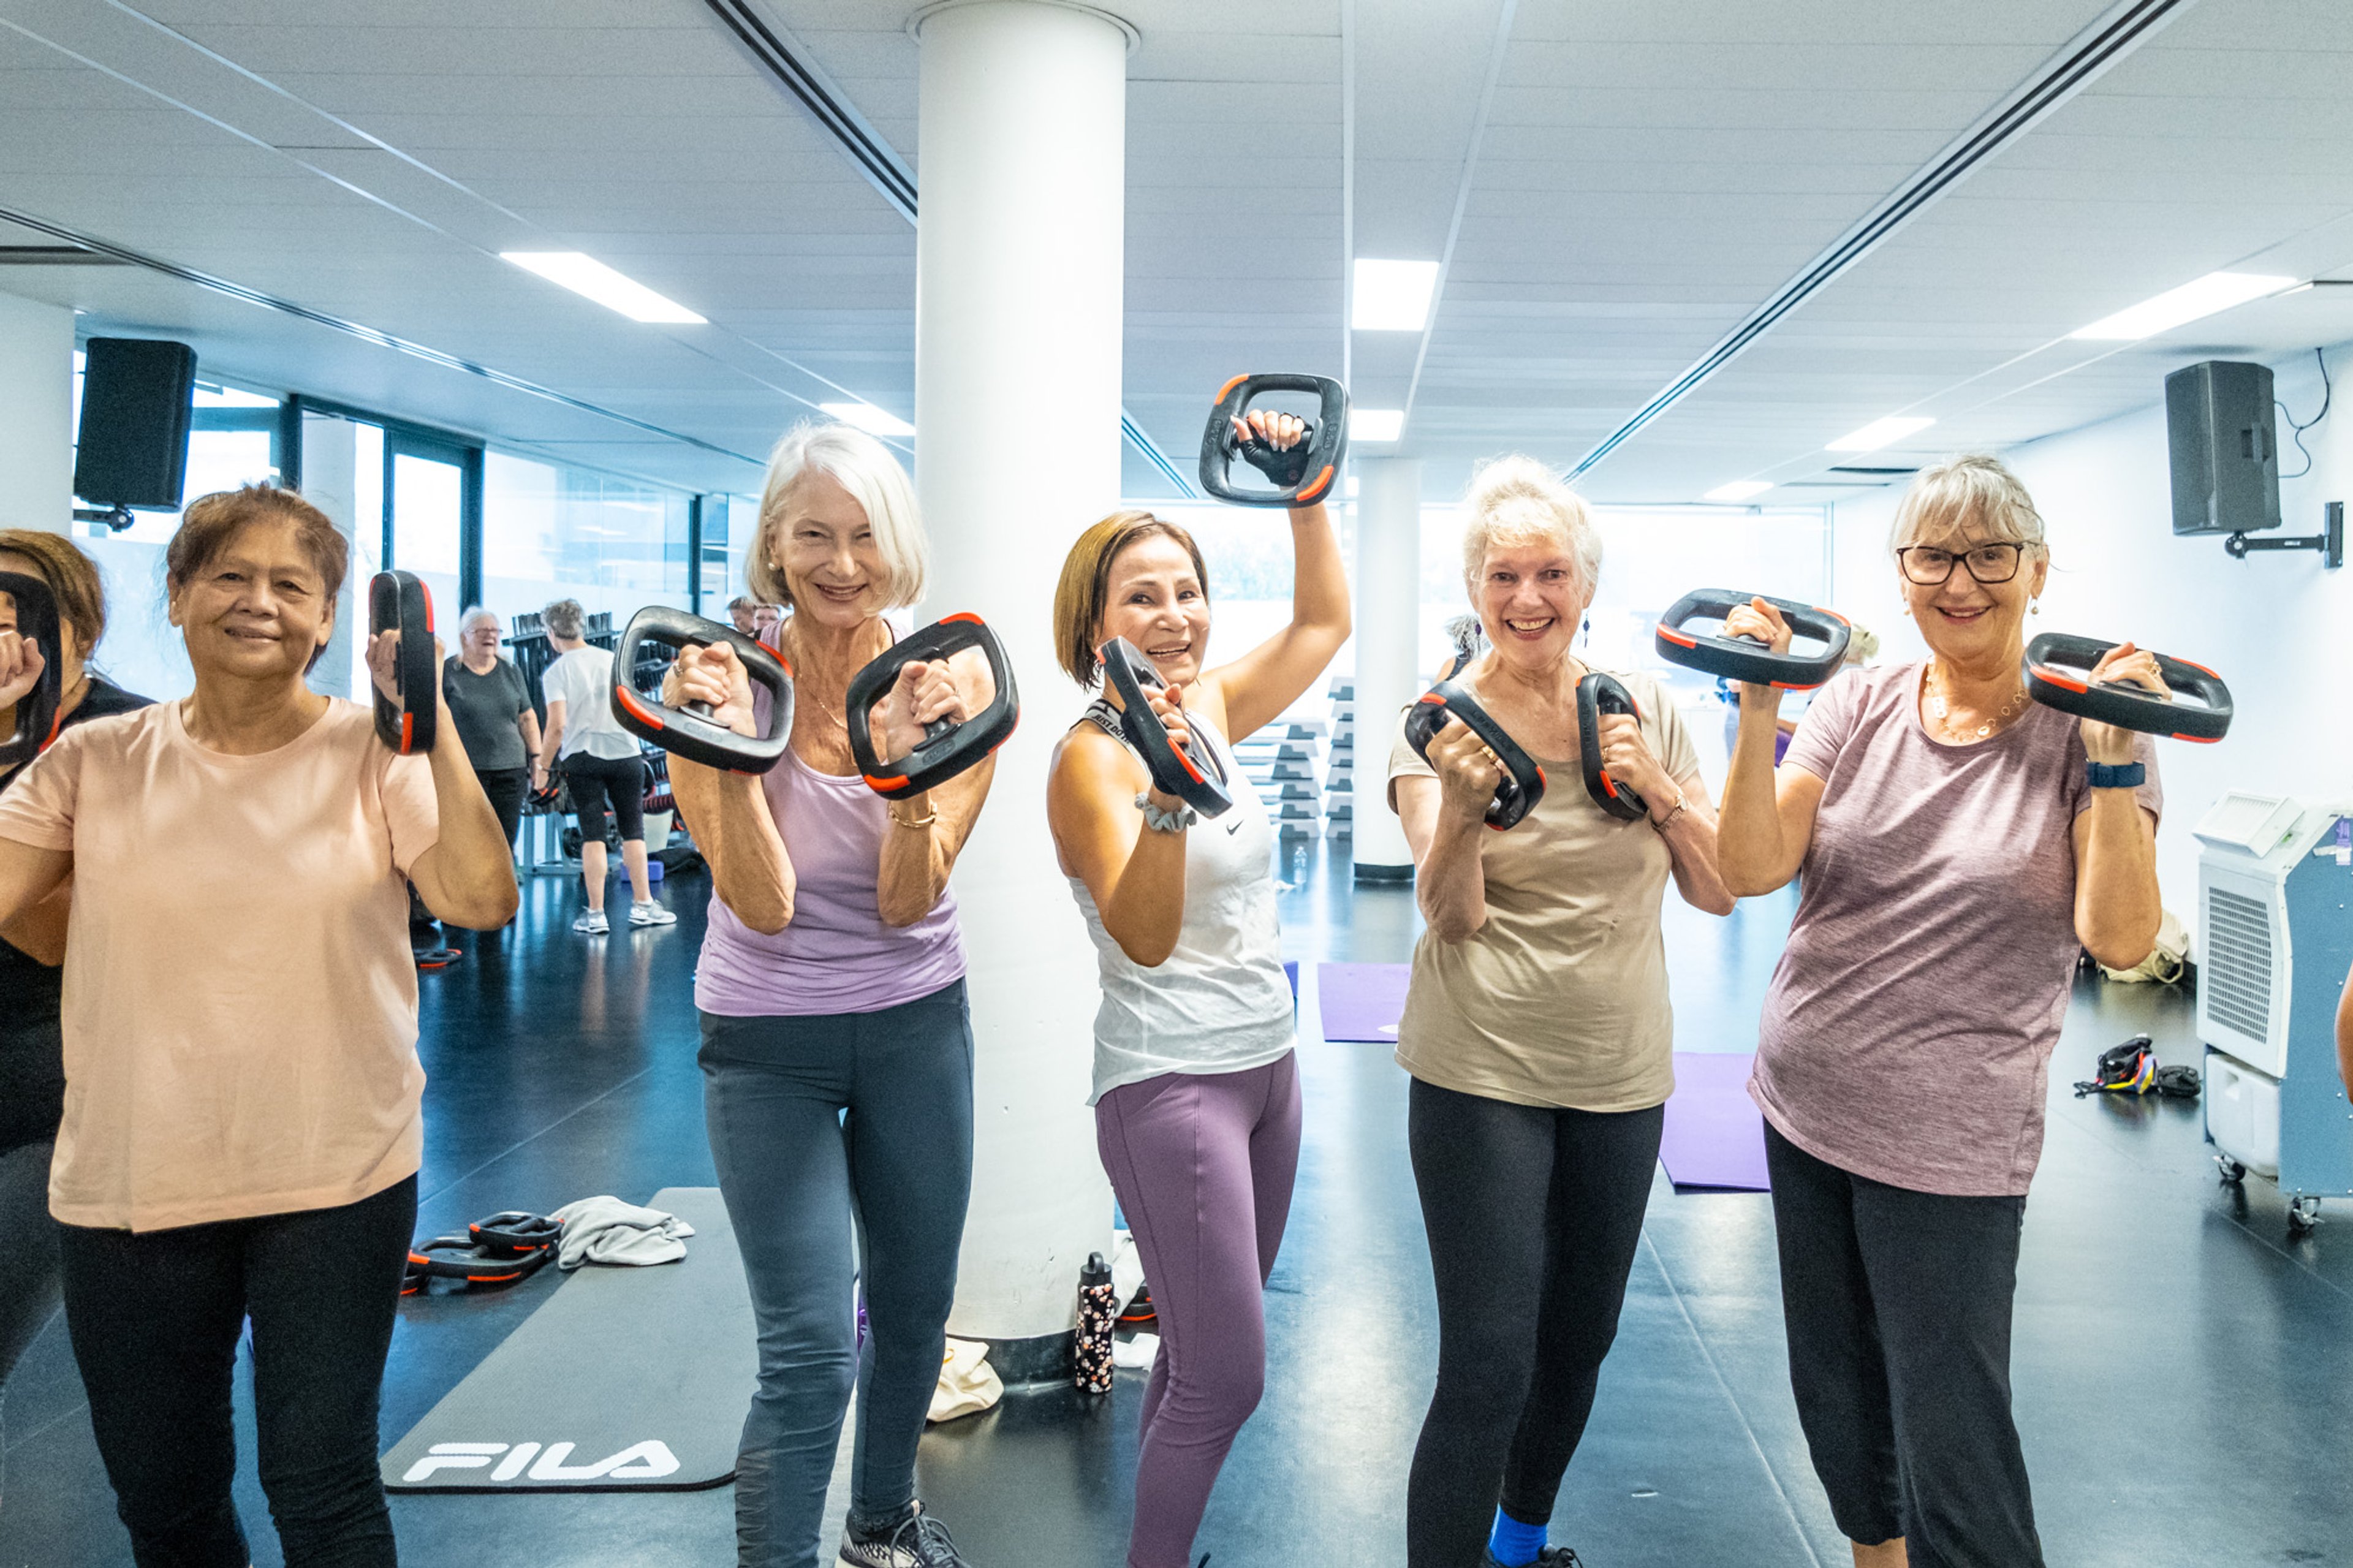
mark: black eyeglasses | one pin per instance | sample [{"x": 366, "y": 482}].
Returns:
[{"x": 1929, "y": 566}]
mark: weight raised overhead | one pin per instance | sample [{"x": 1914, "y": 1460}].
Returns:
[{"x": 1302, "y": 474}]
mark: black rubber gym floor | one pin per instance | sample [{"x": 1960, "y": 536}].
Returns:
[{"x": 2184, "y": 1369}]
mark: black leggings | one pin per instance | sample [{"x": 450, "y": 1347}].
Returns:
[
  {"x": 155, "y": 1320},
  {"x": 592, "y": 778},
  {"x": 28, "y": 1284},
  {"x": 506, "y": 787},
  {"x": 1524, "y": 1204},
  {"x": 1898, "y": 1306}
]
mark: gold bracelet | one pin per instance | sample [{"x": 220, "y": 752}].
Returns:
[
  {"x": 923, "y": 821},
  {"x": 1683, "y": 804}
]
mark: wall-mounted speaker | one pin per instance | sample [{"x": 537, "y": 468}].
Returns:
[
  {"x": 2224, "y": 447},
  {"x": 136, "y": 397}
]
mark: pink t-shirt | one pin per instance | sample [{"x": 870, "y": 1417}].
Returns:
[
  {"x": 1908, "y": 1031},
  {"x": 240, "y": 1000},
  {"x": 836, "y": 956}
]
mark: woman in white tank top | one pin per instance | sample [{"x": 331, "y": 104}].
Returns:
[{"x": 1197, "y": 1099}]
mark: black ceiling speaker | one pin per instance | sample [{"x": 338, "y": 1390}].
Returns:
[
  {"x": 2224, "y": 447},
  {"x": 136, "y": 393}
]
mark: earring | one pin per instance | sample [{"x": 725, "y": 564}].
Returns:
[{"x": 2035, "y": 607}]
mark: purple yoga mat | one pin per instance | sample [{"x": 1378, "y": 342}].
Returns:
[
  {"x": 1714, "y": 1135},
  {"x": 1361, "y": 1001}
]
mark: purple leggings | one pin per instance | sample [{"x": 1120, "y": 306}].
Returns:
[{"x": 1203, "y": 1164}]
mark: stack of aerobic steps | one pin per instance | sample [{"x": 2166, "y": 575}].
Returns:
[
  {"x": 1281, "y": 761},
  {"x": 1340, "y": 781}
]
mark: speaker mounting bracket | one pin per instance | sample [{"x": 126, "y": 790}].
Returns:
[
  {"x": 115, "y": 518},
  {"x": 2330, "y": 542}
]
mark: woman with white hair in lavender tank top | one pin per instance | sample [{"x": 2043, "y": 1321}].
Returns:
[
  {"x": 837, "y": 1045},
  {"x": 1960, "y": 844}
]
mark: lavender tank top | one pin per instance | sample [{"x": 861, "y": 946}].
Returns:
[{"x": 836, "y": 956}]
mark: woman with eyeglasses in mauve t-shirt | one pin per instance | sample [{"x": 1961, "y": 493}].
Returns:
[{"x": 1960, "y": 844}]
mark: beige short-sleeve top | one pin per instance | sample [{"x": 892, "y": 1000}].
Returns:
[
  {"x": 240, "y": 999},
  {"x": 1561, "y": 999}
]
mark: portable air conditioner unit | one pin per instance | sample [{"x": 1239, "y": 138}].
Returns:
[{"x": 2275, "y": 900}]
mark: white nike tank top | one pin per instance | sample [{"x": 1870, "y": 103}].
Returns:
[{"x": 1220, "y": 1002}]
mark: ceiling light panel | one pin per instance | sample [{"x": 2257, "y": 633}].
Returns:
[
  {"x": 591, "y": 278},
  {"x": 2177, "y": 307},
  {"x": 1393, "y": 296},
  {"x": 1880, "y": 432},
  {"x": 869, "y": 419},
  {"x": 1375, "y": 424}
]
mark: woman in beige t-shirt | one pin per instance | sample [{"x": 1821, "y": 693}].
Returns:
[
  {"x": 242, "y": 1126},
  {"x": 1536, "y": 1027}
]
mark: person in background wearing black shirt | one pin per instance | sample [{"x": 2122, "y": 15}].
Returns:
[
  {"x": 491, "y": 703},
  {"x": 32, "y": 1048}
]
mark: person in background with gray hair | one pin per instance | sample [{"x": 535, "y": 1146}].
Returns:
[
  {"x": 743, "y": 611},
  {"x": 1462, "y": 634},
  {"x": 491, "y": 703},
  {"x": 1862, "y": 647},
  {"x": 600, "y": 761}
]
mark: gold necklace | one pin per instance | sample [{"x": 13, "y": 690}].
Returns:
[
  {"x": 802, "y": 687},
  {"x": 827, "y": 709},
  {"x": 1941, "y": 710}
]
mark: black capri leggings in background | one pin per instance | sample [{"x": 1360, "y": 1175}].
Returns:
[
  {"x": 1898, "y": 1306},
  {"x": 155, "y": 1319},
  {"x": 506, "y": 787},
  {"x": 592, "y": 779},
  {"x": 1524, "y": 1204}
]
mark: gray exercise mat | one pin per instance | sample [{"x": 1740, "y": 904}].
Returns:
[{"x": 624, "y": 1380}]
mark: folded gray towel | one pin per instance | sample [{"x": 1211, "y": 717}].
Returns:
[{"x": 606, "y": 1230}]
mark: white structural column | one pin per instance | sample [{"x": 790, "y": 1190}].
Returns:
[
  {"x": 330, "y": 483},
  {"x": 1017, "y": 299},
  {"x": 1389, "y": 616},
  {"x": 37, "y": 344}
]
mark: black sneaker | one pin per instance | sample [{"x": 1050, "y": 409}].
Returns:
[
  {"x": 917, "y": 1540},
  {"x": 1546, "y": 1557},
  {"x": 1140, "y": 1313}
]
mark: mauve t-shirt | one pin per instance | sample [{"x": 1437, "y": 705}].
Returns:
[
  {"x": 1908, "y": 1034},
  {"x": 836, "y": 956}
]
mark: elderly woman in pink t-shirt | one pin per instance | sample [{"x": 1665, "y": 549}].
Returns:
[
  {"x": 243, "y": 1117},
  {"x": 1959, "y": 845},
  {"x": 837, "y": 1046}
]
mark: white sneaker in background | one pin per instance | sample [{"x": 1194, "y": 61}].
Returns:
[
  {"x": 650, "y": 914},
  {"x": 592, "y": 922}
]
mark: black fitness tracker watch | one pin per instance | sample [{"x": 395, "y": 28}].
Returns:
[{"x": 2125, "y": 776}]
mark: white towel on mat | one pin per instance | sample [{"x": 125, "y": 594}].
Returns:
[{"x": 606, "y": 1230}]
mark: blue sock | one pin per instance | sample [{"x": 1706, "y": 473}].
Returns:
[{"x": 1515, "y": 1542}]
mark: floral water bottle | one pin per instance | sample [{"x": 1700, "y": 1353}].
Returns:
[{"x": 1098, "y": 1311}]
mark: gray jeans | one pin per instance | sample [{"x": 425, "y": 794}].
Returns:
[
  {"x": 835, "y": 1136},
  {"x": 29, "y": 1241}
]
